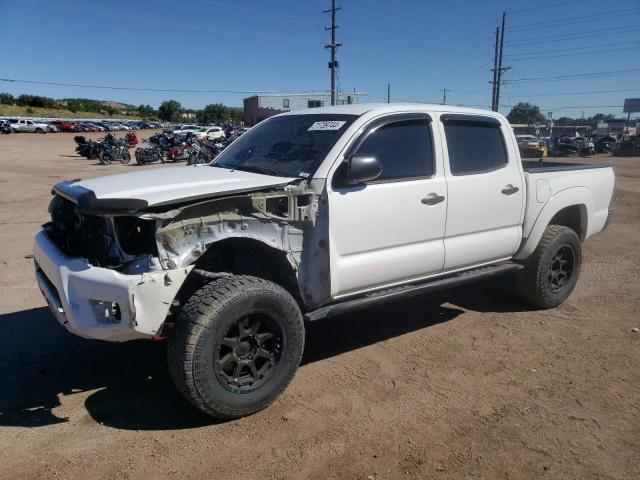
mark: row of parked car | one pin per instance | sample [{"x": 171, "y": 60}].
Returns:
[
  {"x": 22, "y": 125},
  {"x": 209, "y": 132},
  {"x": 565, "y": 146}
]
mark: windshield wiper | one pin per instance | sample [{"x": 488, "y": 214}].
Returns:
[{"x": 260, "y": 170}]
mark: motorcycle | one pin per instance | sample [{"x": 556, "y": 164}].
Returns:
[
  {"x": 113, "y": 149},
  {"x": 152, "y": 153},
  {"x": 198, "y": 154},
  {"x": 86, "y": 148},
  {"x": 179, "y": 151}
]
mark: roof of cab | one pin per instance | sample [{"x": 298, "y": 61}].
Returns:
[{"x": 362, "y": 108}]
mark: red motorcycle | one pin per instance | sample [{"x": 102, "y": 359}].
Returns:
[
  {"x": 132, "y": 139},
  {"x": 179, "y": 151}
]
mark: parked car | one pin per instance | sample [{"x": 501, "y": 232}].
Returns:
[
  {"x": 531, "y": 146},
  {"x": 87, "y": 127},
  {"x": 51, "y": 128},
  {"x": 309, "y": 215},
  {"x": 64, "y": 125},
  {"x": 210, "y": 133},
  {"x": 183, "y": 130},
  {"x": 31, "y": 126},
  {"x": 627, "y": 146}
]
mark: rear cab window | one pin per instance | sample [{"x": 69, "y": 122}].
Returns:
[{"x": 475, "y": 144}]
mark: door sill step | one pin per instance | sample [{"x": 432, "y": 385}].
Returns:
[{"x": 405, "y": 291}]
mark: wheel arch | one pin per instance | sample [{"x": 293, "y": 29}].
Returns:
[
  {"x": 247, "y": 255},
  {"x": 571, "y": 208}
]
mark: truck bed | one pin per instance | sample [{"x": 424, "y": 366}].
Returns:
[{"x": 549, "y": 182}]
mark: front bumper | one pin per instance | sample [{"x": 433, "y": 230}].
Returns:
[
  {"x": 609, "y": 218},
  {"x": 100, "y": 303}
]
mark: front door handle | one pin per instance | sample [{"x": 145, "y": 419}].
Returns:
[
  {"x": 510, "y": 190},
  {"x": 432, "y": 199}
]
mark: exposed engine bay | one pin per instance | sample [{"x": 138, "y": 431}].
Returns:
[{"x": 177, "y": 236}]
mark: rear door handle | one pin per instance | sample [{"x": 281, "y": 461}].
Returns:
[
  {"x": 432, "y": 199},
  {"x": 510, "y": 190}
]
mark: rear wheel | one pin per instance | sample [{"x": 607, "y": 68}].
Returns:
[
  {"x": 236, "y": 346},
  {"x": 551, "y": 272}
]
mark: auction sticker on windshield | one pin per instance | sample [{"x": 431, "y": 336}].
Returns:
[{"x": 327, "y": 125}]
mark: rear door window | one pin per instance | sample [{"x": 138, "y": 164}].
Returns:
[{"x": 475, "y": 144}]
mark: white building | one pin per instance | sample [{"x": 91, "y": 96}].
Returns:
[{"x": 259, "y": 107}]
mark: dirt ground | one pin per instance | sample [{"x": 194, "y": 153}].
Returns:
[{"x": 467, "y": 383}]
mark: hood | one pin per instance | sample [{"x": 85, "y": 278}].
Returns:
[{"x": 162, "y": 186}]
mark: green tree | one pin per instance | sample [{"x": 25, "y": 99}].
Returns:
[
  {"x": 170, "y": 111},
  {"x": 7, "y": 99},
  {"x": 213, "y": 113},
  {"x": 146, "y": 111},
  {"x": 35, "y": 101},
  {"x": 566, "y": 121},
  {"x": 525, "y": 113}
]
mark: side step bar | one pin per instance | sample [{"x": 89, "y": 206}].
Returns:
[{"x": 405, "y": 291}]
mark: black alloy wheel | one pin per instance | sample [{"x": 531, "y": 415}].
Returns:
[
  {"x": 561, "y": 268},
  {"x": 248, "y": 353}
]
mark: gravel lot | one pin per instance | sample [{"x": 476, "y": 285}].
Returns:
[{"x": 467, "y": 383}]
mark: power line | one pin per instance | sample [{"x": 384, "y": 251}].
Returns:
[
  {"x": 590, "y": 34},
  {"x": 579, "y": 76},
  {"x": 137, "y": 89},
  {"x": 564, "y": 94},
  {"x": 545, "y": 6},
  {"x": 556, "y": 50},
  {"x": 572, "y": 20},
  {"x": 576, "y": 54}
]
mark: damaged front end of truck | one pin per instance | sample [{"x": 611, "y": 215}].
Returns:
[{"x": 134, "y": 265}]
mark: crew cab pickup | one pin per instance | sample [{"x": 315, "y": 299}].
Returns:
[
  {"x": 309, "y": 215},
  {"x": 23, "y": 125}
]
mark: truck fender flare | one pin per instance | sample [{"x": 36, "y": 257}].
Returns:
[{"x": 573, "y": 196}]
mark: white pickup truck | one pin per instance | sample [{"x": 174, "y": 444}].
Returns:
[
  {"x": 32, "y": 126},
  {"x": 309, "y": 215}
]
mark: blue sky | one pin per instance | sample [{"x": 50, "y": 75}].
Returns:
[{"x": 420, "y": 47}]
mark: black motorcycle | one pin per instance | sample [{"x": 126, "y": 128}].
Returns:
[
  {"x": 112, "y": 149},
  {"x": 152, "y": 153},
  {"x": 86, "y": 148}
]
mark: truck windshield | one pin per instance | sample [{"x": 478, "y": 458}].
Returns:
[{"x": 287, "y": 146}]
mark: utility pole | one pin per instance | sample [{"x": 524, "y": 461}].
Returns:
[
  {"x": 494, "y": 83},
  {"x": 333, "y": 64},
  {"x": 500, "y": 67},
  {"x": 444, "y": 95},
  {"x": 388, "y": 93}
]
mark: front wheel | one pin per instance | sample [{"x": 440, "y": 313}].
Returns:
[
  {"x": 236, "y": 346},
  {"x": 104, "y": 158},
  {"x": 551, "y": 272},
  {"x": 125, "y": 158}
]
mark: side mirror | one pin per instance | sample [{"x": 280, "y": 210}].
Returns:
[{"x": 363, "y": 168}]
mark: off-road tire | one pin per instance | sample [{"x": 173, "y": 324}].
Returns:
[
  {"x": 196, "y": 339},
  {"x": 534, "y": 282}
]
